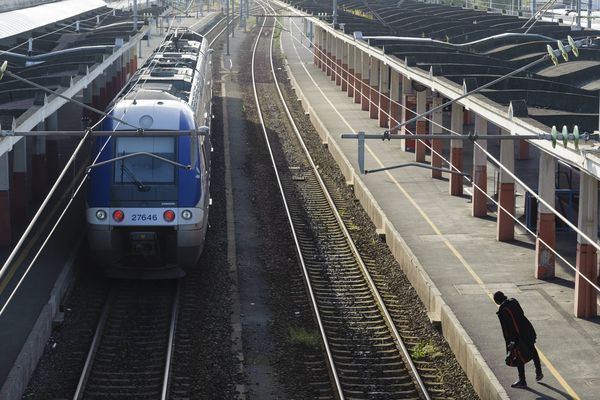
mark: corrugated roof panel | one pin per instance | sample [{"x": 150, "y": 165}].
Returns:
[{"x": 19, "y": 21}]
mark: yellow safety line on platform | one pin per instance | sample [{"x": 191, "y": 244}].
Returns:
[{"x": 476, "y": 277}]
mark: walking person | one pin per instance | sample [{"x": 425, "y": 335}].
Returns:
[{"x": 518, "y": 331}]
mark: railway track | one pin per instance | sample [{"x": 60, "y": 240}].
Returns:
[
  {"x": 366, "y": 354},
  {"x": 130, "y": 355}
]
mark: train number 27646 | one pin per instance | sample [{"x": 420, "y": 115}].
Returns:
[{"x": 144, "y": 217}]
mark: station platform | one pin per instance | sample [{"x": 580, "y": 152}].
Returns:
[{"x": 453, "y": 259}]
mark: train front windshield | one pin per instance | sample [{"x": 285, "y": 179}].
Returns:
[{"x": 142, "y": 168}]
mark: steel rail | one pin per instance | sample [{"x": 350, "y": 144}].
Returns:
[
  {"x": 291, "y": 222},
  {"x": 106, "y": 311},
  {"x": 172, "y": 329},
  {"x": 375, "y": 292},
  {"x": 94, "y": 347}
]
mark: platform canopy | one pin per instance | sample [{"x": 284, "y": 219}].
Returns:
[
  {"x": 472, "y": 47},
  {"x": 20, "y": 21}
]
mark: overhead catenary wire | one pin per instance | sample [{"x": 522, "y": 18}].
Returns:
[
  {"x": 500, "y": 165},
  {"x": 45, "y": 202}
]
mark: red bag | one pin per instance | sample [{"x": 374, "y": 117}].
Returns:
[{"x": 520, "y": 352}]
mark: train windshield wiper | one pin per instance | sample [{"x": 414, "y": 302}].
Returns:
[{"x": 140, "y": 186}]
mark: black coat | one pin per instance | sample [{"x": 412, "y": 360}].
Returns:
[{"x": 518, "y": 328}]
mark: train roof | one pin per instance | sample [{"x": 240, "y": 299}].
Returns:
[{"x": 170, "y": 72}]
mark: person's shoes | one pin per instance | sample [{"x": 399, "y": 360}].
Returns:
[
  {"x": 539, "y": 376},
  {"x": 519, "y": 384}
]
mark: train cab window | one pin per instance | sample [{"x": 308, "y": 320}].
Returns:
[{"x": 143, "y": 169}]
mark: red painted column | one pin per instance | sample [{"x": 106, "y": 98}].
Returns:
[
  {"x": 546, "y": 220},
  {"x": 437, "y": 145},
  {"x": 374, "y": 103},
  {"x": 109, "y": 86},
  {"x": 506, "y": 193},
  {"x": 456, "y": 181},
  {"x": 408, "y": 112},
  {"x": 351, "y": 82},
  {"x": 122, "y": 74},
  {"x": 374, "y": 93},
  {"x": 357, "y": 87},
  {"x": 96, "y": 100},
  {"x": 5, "y": 212},
  {"x": 338, "y": 71},
  {"x": 456, "y": 151},
  {"x": 103, "y": 98},
  {"x": 421, "y": 126},
  {"x": 394, "y": 106},
  {"x": 126, "y": 73},
  {"x": 384, "y": 110},
  {"x": 586, "y": 259},
  {"x": 329, "y": 64},
  {"x": 479, "y": 199},
  {"x": 365, "y": 89},
  {"x": 506, "y": 224},
  {"x": 39, "y": 172},
  {"x": 395, "y": 111},
  {"x": 544, "y": 257},
  {"x": 468, "y": 118},
  {"x": 18, "y": 190},
  {"x": 585, "y": 294},
  {"x": 333, "y": 67},
  {"x": 344, "y": 77},
  {"x": 316, "y": 58},
  {"x": 52, "y": 160},
  {"x": 353, "y": 66},
  {"x": 365, "y": 94},
  {"x": 523, "y": 150}
]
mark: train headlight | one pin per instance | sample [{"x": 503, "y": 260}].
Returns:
[
  {"x": 101, "y": 215},
  {"x": 186, "y": 214},
  {"x": 169, "y": 215},
  {"x": 118, "y": 215}
]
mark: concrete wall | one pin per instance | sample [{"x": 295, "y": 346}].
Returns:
[{"x": 33, "y": 349}]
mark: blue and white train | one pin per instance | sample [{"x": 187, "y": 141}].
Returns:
[{"x": 148, "y": 196}]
